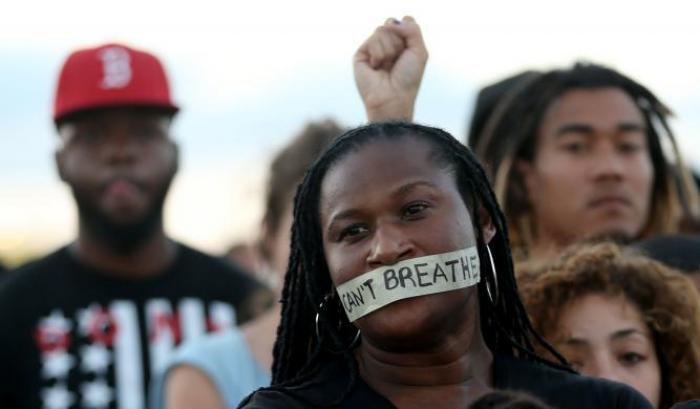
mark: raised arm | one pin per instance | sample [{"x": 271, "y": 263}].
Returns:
[{"x": 388, "y": 70}]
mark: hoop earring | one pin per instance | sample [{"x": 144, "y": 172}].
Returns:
[
  {"x": 493, "y": 294},
  {"x": 323, "y": 306}
]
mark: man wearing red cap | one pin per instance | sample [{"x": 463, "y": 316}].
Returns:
[{"x": 87, "y": 325}]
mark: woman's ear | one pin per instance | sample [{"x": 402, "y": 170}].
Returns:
[{"x": 488, "y": 230}]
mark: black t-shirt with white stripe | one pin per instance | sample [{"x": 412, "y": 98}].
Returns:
[{"x": 72, "y": 336}]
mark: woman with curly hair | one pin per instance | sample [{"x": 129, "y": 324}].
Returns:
[{"x": 616, "y": 314}]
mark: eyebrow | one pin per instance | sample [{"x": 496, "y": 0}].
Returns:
[
  {"x": 615, "y": 336},
  {"x": 408, "y": 187},
  {"x": 576, "y": 342},
  {"x": 624, "y": 333},
  {"x": 575, "y": 127}
]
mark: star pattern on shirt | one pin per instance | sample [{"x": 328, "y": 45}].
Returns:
[
  {"x": 57, "y": 364},
  {"x": 57, "y": 397},
  {"x": 85, "y": 317},
  {"x": 56, "y": 320},
  {"x": 96, "y": 394},
  {"x": 95, "y": 358}
]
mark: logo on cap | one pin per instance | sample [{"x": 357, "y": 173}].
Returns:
[
  {"x": 116, "y": 67},
  {"x": 111, "y": 76}
]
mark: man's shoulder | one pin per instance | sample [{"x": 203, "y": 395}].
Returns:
[
  {"x": 214, "y": 272},
  {"x": 563, "y": 389},
  {"x": 194, "y": 259},
  {"x": 36, "y": 271},
  {"x": 221, "y": 279}
]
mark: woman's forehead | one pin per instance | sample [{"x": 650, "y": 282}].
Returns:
[
  {"x": 612, "y": 312},
  {"x": 378, "y": 162},
  {"x": 378, "y": 169}
]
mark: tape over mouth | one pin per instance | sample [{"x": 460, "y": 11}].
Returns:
[{"x": 410, "y": 278}]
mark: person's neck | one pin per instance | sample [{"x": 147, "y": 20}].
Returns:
[
  {"x": 452, "y": 374},
  {"x": 543, "y": 252},
  {"x": 149, "y": 259},
  {"x": 547, "y": 246}
]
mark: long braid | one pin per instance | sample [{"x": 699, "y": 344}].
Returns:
[{"x": 299, "y": 353}]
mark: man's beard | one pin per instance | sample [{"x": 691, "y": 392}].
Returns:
[{"x": 122, "y": 238}]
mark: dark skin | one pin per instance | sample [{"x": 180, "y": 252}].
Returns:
[
  {"x": 119, "y": 164},
  {"x": 389, "y": 202}
]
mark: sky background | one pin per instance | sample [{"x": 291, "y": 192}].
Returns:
[{"x": 249, "y": 74}]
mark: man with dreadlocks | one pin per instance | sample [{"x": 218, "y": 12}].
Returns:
[
  {"x": 400, "y": 289},
  {"x": 577, "y": 153},
  {"x": 573, "y": 153}
]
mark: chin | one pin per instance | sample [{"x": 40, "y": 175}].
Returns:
[
  {"x": 125, "y": 220},
  {"x": 614, "y": 232},
  {"x": 416, "y": 323}
]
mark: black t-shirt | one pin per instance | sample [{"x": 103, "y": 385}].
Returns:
[
  {"x": 559, "y": 389},
  {"x": 72, "y": 336}
]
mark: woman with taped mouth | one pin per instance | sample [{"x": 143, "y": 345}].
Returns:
[{"x": 400, "y": 217}]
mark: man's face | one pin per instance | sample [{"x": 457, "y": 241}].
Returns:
[
  {"x": 592, "y": 172},
  {"x": 119, "y": 164}
]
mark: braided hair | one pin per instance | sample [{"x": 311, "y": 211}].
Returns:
[
  {"x": 511, "y": 135},
  {"x": 299, "y": 352}
]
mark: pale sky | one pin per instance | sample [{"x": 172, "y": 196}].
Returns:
[{"x": 249, "y": 74}]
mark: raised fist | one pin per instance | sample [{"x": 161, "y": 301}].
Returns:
[{"x": 388, "y": 69}]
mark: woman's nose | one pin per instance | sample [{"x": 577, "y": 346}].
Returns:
[{"x": 389, "y": 246}]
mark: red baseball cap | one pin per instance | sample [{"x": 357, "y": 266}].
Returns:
[{"x": 111, "y": 75}]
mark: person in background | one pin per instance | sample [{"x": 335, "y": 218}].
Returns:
[
  {"x": 679, "y": 251},
  {"x": 88, "y": 324},
  {"x": 244, "y": 254},
  {"x": 219, "y": 370},
  {"x": 577, "y": 153},
  {"x": 572, "y": 153},
  {"x": 621, "y": 316}
]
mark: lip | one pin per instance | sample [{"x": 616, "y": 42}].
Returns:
[
  {"x": 121, "y": 189},
  {"x": 120, "y": 180},
  {"x": 610, "y": 201}
]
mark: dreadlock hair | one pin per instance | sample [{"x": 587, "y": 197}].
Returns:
[
  {"x": 299, "y": 353},
  {"x": 510, "y": 134}
]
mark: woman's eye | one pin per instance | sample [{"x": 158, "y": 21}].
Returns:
[
  {"x": 352, "y": 232},
  {"x": 629, "y": 147},
  {"x": 414, "y": 209},
  {"x": 631, "y": 358},
  {"x": 574, "y": 147}
]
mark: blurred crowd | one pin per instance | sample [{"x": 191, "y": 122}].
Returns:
[{"x": 568, "y": 194}]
